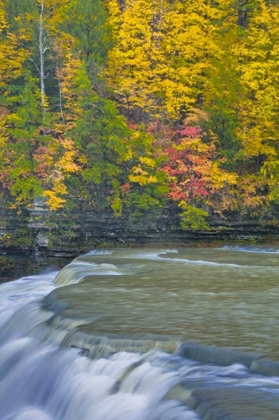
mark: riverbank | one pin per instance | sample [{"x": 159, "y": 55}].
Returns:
[
  {"x": 36, "y": 238},
  {"x": 14, "y": 266}
]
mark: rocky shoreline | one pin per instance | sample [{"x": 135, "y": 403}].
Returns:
[
  {"x": 37, "y": 239},
  {"x": 17, "y": 262}
]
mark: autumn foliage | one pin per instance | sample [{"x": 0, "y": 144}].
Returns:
[{"x": 141, "y": 105}]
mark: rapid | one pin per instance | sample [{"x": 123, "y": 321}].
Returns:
[{"x": 144, "y": 334}]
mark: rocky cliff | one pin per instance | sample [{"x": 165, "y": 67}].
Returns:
[{"x": 39, "y": 233}]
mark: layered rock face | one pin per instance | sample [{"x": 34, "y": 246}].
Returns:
[{"x": 39, "y": 233}]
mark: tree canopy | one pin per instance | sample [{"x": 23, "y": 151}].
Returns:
[{"x": 141, "y": 104}]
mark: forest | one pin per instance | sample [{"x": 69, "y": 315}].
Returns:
[{"x": 136, "y": 105}]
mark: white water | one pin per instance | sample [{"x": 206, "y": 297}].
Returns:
[{"x": 39, "y": 380}]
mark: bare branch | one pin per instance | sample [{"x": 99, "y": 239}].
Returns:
[
  {"x": 46, "y": 49},
  {"x": 31, "y": 59}
]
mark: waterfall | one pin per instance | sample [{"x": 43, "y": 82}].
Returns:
[{"x": 105, "y": 339}]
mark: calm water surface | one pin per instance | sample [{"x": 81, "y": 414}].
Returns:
[{"x": 214, "y": 296}]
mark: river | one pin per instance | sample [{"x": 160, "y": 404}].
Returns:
[{"x": 144, "y": 334}]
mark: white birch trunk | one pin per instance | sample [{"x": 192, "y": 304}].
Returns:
[{"x": 42, "y": 58}]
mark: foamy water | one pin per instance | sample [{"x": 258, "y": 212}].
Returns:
[{"x": 103, "y": 339}]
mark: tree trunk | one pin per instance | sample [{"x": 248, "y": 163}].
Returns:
[{"x": 42, "y": 62}]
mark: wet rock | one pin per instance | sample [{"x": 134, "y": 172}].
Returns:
[
  {"x": 226, "y": 402},
  {"x": 219, "y": 356},
  {"x": 265, "y": 367}
]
